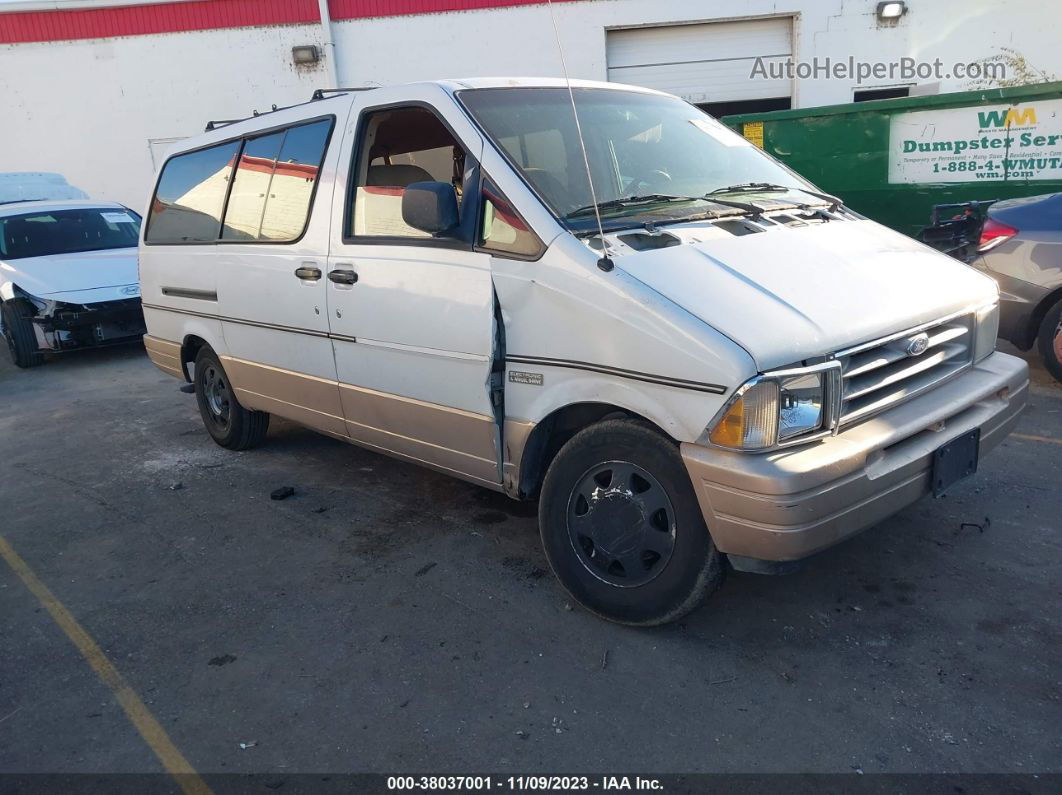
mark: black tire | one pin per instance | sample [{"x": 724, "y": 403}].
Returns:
[
  {"x": 1051, "y": 340},
  {"x": 628, "y": 465},
  {"x": 18, "y": 332},
  {"x": 228, "y": 423}
]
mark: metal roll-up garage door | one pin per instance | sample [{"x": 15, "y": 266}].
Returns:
[{"x": 705, "y": 63}]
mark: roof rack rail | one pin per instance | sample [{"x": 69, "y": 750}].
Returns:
[
  {"x": 320, "y": 92},
  {"x": 213, "y": 124},
  {"x": 317, "y": 94}
]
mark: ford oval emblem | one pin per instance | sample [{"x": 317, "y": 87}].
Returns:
[
  {"x": 917, "y": 344},
  {"x": 132, "y": 289}
]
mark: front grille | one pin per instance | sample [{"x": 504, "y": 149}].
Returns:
[{"x": 880, "y": 374}]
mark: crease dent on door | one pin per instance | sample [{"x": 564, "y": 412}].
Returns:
[{"x": 496, "y": 387}]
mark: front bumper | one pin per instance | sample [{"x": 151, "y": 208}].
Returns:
[
  {"x": 790, "y": 504},
  {"x": 62, "y": 327}
]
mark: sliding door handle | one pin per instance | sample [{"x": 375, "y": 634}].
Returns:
[
  {"x": 342, "y": 277},
  {"x": 308, "y": 273}
]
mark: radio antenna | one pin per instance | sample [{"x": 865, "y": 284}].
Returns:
[{"x": 605, "y": 263}]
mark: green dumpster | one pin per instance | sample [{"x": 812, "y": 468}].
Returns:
[{"x": 893, "y": 159}]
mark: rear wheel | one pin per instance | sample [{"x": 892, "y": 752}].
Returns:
[
  {"x": 227, "y": 422},
  {"x": 1051, "y": 340},
  {"x": 622, "y": 528},
  {"x": 18, "y": 333}
]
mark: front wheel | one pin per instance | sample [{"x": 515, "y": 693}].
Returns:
[
  {"x": 622, "y": 529},
  {"x": 18, "y": 332},
  {"x": 1051, "y": 340},
  {"x": 227, "y": 422}
]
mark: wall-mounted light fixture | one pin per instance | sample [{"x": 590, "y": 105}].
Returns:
[
  {"x": 891, "y": 10},
  {"x": 305, "y": 55}
]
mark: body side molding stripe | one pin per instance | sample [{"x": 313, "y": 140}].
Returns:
[
  {"x": 185, "y": 292},
  {"x": 663, "y": 380},
  {"x": 225, "y": 319}
]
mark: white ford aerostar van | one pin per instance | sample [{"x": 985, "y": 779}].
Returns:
[{"x": 751, "y": 372}]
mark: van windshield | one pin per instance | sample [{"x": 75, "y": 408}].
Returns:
[
  {"x": 47, "y": 232},
  {"x": 665, "y": 154}
]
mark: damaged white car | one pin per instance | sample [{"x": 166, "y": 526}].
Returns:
[{"x": 68, "y": 277}]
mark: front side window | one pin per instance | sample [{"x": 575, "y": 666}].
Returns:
[
  {"x": 274, "y": 183},
  {"x": 399, "y": 147},
  {"x": 45, "y": 233},
  {"x": 654, "y": 148},
  {"x": 190, "y": 198}
]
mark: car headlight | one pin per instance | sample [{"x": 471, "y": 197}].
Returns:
[
  {"x": 772, "y": 409},
  {"x": 986, "y": 329}
]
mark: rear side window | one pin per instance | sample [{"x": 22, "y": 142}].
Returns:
[
  {"x": 274, "y": 184},
  {"x": 273, "y": 177},
  {"x": 190, "y": 198},
  {"x": 254, "y": 175}
]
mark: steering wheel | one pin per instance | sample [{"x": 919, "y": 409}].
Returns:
[{"x": 655, "y": 181}]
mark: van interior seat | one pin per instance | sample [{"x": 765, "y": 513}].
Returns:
[{"x": 396, "y": 176}]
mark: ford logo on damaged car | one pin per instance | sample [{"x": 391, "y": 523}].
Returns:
[
  {"x": 917, "y": 344},
  {"x": 132, "y": 289}
]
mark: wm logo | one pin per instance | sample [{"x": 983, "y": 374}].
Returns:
[{"x": 1009, "y": 118}]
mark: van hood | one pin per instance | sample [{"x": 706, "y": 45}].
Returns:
[
  {"x": 81, "y": 277},
  {"x": 790, "y": 294}
]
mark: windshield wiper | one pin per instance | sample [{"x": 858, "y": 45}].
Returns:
[
  {"x": 745, "y": 207},
  {"x": 770, "y": 187},
  {"x": 749, "y": 187},
  {"x": 630, "y": 201}
]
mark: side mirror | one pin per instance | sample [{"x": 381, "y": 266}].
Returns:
[{"x": 430, "y": 207}]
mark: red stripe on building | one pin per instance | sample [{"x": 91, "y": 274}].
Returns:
[
  {"x": 366, "y": 9},
  {"x": 100, "y": 23}
]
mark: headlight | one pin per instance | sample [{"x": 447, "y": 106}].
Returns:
[
  {"x": 986, "y": 329},
  {"x": 801, "y": 401},
  {"x": 772, "y": 409}
]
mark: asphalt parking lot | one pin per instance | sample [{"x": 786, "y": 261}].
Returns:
[{"x": 389, "y": 619}]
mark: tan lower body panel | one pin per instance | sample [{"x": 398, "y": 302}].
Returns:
[
  {"x": 305, "y": 399},
  {"x": 165, "y": 355},
  {"x": 457, "y": 442}
]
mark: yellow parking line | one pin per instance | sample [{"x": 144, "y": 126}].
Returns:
[
  {"x": 139, "y": 715},
  {"x": 1033, "y": 438}
]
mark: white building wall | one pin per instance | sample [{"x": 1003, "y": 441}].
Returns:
[
  {"x": 90, "y": 108},
  {"x": 520, "y": 41}
]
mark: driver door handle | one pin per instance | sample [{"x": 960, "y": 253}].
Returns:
[
  {"x": 342, "y": 277},
  {"x": 308, "y": 272}
]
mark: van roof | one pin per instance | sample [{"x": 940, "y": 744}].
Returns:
[
  {"x": 334, "y": 101},
  {"x": 536, "y": 82}
]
